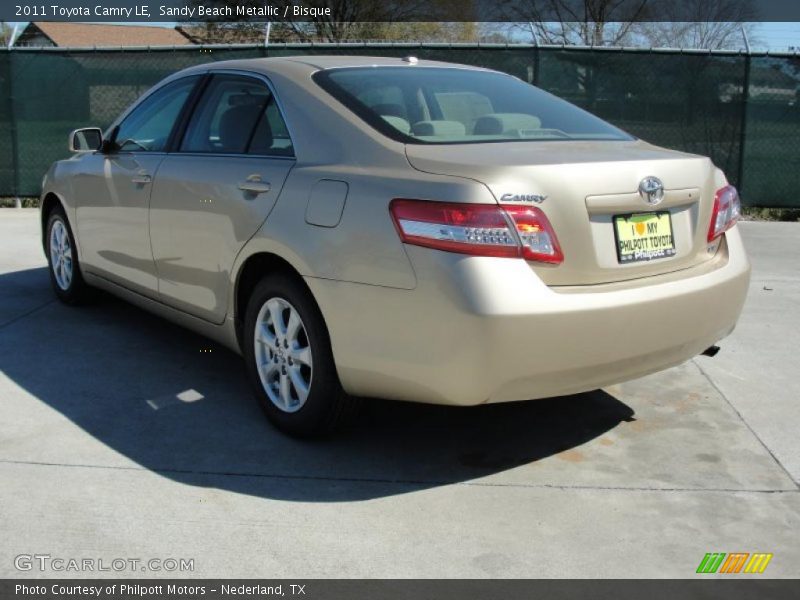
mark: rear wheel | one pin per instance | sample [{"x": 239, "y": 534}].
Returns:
[
  {"x": 62, "y": 257},
  {"x": 289, "y": 360}
]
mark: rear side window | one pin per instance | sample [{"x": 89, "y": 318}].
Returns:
[
  {"x": 433, "y": 105},
  {"x": 237, "y": 115}
]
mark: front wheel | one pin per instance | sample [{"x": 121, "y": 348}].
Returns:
[
  {"x": 62, "y": 258},
  {"x": 290, "y": 361}
]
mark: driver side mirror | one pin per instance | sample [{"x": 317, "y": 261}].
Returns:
[{"x": 89, "y": 139}]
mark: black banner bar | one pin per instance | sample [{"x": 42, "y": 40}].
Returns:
[
  {"x": 742, "y": 587},
  {"x": 351, "y": 11}
]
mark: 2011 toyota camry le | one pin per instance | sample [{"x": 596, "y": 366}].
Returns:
[{"x": 397, "y": 228}]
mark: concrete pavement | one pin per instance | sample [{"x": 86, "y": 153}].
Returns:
[{"x": 124, "y": 436}]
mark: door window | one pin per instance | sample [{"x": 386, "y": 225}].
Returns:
[
  {"x": 237, "y": 115},
  {"x": 148, "y": 127}
]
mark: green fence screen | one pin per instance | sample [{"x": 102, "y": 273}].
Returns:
[
  {"x": 8, "y": 182},
  {"x": 742, "y": 110}
]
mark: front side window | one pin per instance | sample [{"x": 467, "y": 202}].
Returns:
[
  {"x": 425, "y": 105},
  {"x": 147, "y": 128},
  {"x": 237, "y": 115}
]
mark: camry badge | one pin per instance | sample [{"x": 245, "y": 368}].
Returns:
[
  {"x": 537, "y": 198},
  {"x": 651, "y": 190}
]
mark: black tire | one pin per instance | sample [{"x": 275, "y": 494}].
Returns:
[
  {"x": 76, "y": 291},
  {"x": 326, "y": 406}
]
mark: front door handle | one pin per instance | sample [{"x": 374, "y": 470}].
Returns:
[
  {"x": 141, "y": 178},
  {"x": 255, "y": 185}
]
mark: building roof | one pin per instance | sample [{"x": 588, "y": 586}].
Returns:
[{"x": 77, "y": 35}]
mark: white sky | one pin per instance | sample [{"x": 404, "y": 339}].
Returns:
[{"x": 779, "y": 36}]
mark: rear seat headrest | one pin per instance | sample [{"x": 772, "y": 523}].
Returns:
[
  {"x": 439, "y": 128},
  {"x": 498, "y": 123}
]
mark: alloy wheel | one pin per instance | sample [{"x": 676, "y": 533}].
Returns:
[
  {"x": 283, "y": 355},
  {"x": 61, "y": 254}
]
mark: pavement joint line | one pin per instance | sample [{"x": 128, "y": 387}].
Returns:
[
  {"x": 27, "y": 314},
  {"x": 402, "y": 481},
  {"x": 746, "y": 424}
]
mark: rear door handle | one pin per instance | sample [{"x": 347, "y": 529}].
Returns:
[
  {"x": 255, "y": 185},
  {"x": 141, "y": 178}
]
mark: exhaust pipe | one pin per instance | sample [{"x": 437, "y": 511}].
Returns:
[{"x": 711, "y": 351}]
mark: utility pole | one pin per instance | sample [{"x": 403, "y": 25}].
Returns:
[{"x": 745, "y": 103}]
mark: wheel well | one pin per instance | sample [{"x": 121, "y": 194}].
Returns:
[
  {"x": 49, "y": 203},
  {"x": 254, "y": 270}
]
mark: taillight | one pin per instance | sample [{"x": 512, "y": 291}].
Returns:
[
  {"x": 727, "y": 208},
  {"x": 479, "y": 229},
  {"x": 538, "y": 239}
]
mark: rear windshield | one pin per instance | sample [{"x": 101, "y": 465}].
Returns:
[{"x": 434, "y": 105}]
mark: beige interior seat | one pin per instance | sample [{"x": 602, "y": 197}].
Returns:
[{"x": 506, "y": 123}]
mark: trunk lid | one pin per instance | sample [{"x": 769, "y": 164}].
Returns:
[{"x": 586, "y": 184}]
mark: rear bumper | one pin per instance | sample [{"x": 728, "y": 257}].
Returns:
[{"x": 478, "y": 330}]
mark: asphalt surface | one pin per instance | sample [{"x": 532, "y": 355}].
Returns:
[{"x": 123, "y": 436}]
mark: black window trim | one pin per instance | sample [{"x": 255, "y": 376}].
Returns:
[
  {"x": 176, "y": 136},
  {"x": 175, "y": 149}
]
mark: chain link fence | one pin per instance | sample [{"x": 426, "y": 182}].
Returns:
[{"x": 741, "y": 109}]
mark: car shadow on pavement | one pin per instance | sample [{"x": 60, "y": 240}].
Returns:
[{"x": 172, "y": 402}]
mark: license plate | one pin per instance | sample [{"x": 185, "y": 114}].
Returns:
[{"x": 644, "y": 236}]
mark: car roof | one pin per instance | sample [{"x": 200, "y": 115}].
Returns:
[
  {"x": 285, "y": 64},
  {"x": 335, "y": 62}
]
